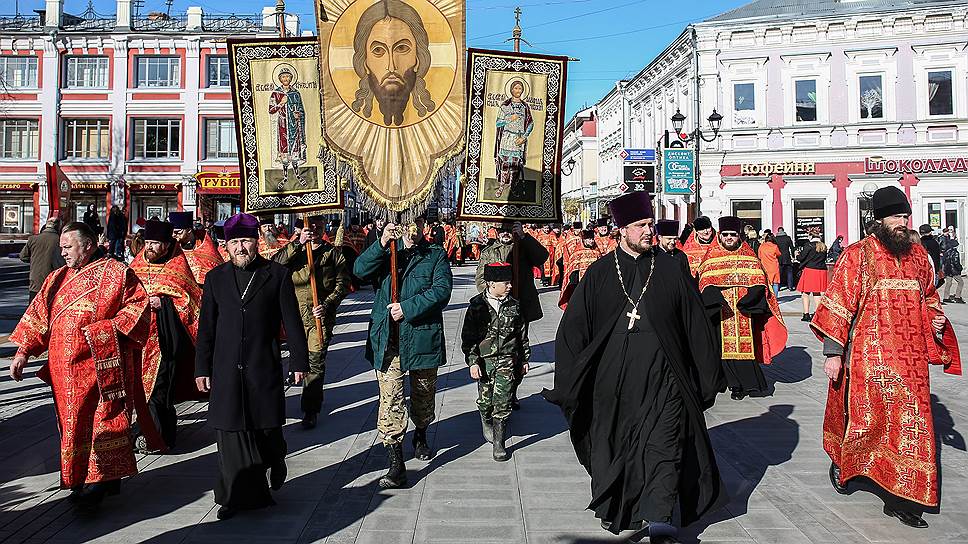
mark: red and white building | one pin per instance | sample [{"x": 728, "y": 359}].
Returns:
[{"x": 136, "y": 111}]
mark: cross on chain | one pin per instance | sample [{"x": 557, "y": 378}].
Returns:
[{"x": 633, "y": 317}]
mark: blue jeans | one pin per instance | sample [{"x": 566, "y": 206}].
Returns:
[
  {"x": 776, "y": 290},
  {"x": 117, "y": 247}
]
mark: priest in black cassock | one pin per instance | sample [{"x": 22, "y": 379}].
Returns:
[
  {"x": 244, "y": 304},
  {"x": 667, "y": 234},
  {"x": 637, "y": 363}
]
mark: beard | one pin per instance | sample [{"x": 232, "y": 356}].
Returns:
[
  {"x": 731, "y": 246},
  {"x": 155, "y": 257},
  {"x": 393, "y": 98},
  {"x": 897, "y": 242},
  {"x": 242, "y": 261},
  {"x": 640, "y": 246},
  {"x": 270, "y": 239}
]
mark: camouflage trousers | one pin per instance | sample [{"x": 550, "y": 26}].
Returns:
[
  {"x": 393, "y": 415},
  {"x": 312, "y": 393},
  {"x": 494, "y": 395}
]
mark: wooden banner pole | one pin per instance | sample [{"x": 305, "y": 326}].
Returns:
[{"x": 312, "y": 277}]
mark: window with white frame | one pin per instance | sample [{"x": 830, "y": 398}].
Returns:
[
  {"x": 218, "y": 71},
  {"x": 18, "y": 72},
  {"x": 159, "y": 71},
  {"x": 19, "y": 138},
  {"x": 220, "y": 139},
  {"x": 157, "y": 138},
  {"x": 86, "y": 138},
  {"x": 806, "y": 100},
  {"x": 940, "y": 93},
  {"x": 871, "y": 96},
  {"x": 87, "y": 73},
  {"x": 744, "y": 104}
]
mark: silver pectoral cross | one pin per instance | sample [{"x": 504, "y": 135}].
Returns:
[{"x": 633, "y": 317}]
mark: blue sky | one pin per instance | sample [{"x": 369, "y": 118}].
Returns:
[{"x": 613, "y": 38}]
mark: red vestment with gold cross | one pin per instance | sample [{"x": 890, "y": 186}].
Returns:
[
  {"x": 696, "y": 251},
  {"x": 172, "y": 279},
  {"x": 268, "y": 251},
  {"x": 579, "y": 261},
  {"x": 91, "y": 322},
  {"x": 605, "y": 243},
  {"x": 878, "y": 420},
  {"x": 203, "y": 258},
  {"x": 567, "y": 244},
  {"x": 744, "y": 338},
  {"x": 550, "y": 242}
]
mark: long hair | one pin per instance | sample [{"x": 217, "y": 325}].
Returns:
[
  {"x": 820, "y": 246},
  {"x": 396, "y": 9}
]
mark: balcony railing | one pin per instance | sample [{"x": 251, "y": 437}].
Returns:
[{"x": 91, "y": 21}]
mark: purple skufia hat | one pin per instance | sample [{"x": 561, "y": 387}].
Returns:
[
  {"x": 628, "y": 209},
  {"x": 667, "y": 227},
  {"x": 157, "y": 231},
  {"x": 241, "y": 225}
]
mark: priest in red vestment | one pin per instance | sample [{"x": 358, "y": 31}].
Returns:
[
  {"x": 201, "y": 253},
  {"x": 167, "y": 361},
  {"x": 269, "y": 242},
  {"x": 604, "y": 237},
  {"x": 702, "y": 239},
  {"x": 881, "y": 324},
  {"x": 751, "y": 327},
  {"x": 569, "y": 242},
  {"x": 578, "y": 263},
  {"x": 91, "y": 318},
  {"x": 547, "y": 238}
]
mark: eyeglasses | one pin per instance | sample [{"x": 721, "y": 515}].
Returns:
[{"x": 729, "y": 234}]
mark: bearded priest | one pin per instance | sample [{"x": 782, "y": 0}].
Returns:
[{"x": 636, "y": 365}]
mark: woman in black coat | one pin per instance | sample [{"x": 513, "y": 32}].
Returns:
[{"x": 813, "y": 274}]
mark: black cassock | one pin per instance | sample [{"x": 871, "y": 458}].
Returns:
[{"x": 634, "y": 397}]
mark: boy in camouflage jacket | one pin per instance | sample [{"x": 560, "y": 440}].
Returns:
[{"x": 494, "y": 342}]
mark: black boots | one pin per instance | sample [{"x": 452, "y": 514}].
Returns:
[
  {"x": 807, "y": 317},
  {"x": 499, "y": 426},
  {"x": 420, "y": 448},
  {"x": 309, "y": 420},
  {"x": 277, "y": 475},
  {"x": 907, "y": 518},
  {"x": 92, "y": 497},
  {"x": 397, "y": 475},
  {"x": 737, "y": 394},
  {"x": 835, "y": 479},
  {"x": 487, "y": 428}
]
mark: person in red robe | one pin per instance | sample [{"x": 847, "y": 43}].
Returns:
[
  {"x": 198, "y": 248},
  {"x": 547, "y": 238},
  {"x": 603, "y": 236},
  {"x": 881, "y": 324},
  {"x": 578, "y": 263},
  {"x": 269, "y": 242},
  {"x": 569, "y": 242},
  {"x": 752, "y": 329},
  {"x": 699, "y": 243},
  {"x": 91, "y": 316},
  {"x": 167, "y": 361}
]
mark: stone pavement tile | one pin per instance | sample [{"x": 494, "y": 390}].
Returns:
[
  {"x": 442, "y": 532},
  {"x": 544, "y": 519},
  {"x": 727, "y": 529},
  {"x": 568, "y": 537},
  {"x": 384, "y": 537},
  {"x": 765, "y": 519},
  {"x": 778, "y": 536},
  {"x": 396, "y": 519},
  {"x": 458, "y": 511},
  {"x": 567, "y": 502}
]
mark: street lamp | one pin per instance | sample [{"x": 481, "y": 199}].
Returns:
[
  {"x": 568, "y": 167},
  {"x": 715, "y": 123}
]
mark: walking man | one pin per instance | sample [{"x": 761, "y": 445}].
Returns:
[
  {"x": 406, "y": 335},
  {"x": 43, "y": 253},
  {"x": 881, "y": 324},
  {"x": 244, "y": 304}
]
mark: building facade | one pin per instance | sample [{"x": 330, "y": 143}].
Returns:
[
  {"x": 135, "y": 111},
  {"x": 822, "y": 102},
  {"x": 579, "y": 160}
]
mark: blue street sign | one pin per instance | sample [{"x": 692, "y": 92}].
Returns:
[
  {"x": 678, "y": 171},
  {"x": 638, "y": 155}
]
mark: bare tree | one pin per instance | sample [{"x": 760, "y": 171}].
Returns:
[{"x": 870, "y": 99}]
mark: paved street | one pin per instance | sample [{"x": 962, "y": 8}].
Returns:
[{"x": 768, "y": 448}]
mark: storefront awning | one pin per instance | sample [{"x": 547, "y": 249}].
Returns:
[{"x": 224, "y": 183}]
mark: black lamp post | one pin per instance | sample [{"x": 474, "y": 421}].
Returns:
[
  {"x": 715, "y": 122},
  {"x": 568, "y": 167}
]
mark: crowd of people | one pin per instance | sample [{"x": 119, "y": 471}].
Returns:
[{"x": 658, "y": 321}]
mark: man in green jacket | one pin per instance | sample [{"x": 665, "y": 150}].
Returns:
[
  {"x": 406, "y": 336},
  {"x": 332, "y": 284}
]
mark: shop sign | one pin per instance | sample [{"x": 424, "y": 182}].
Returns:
[
  {"x": 638, "y": 177},
  {"x": 90, "y": 186},
  {"x": 11, "y": 216},
  {"x": 678, "y": 171},
  {"x": 915, "y": 166},
  {"x": 218, "y": 182},
  {"x": 16, "y": 186},
  {"x": 781, "y": 168},
  {"x": 153, "y": 186}
]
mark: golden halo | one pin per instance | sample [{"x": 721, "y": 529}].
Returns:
[
  {"x": 527, "y": 88},
  {"x": 292, "y": 70}
]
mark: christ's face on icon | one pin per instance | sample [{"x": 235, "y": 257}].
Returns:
[{"x": 391, "y": 57}]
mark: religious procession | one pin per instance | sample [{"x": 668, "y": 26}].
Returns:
[{"x": 407, "y": 327}]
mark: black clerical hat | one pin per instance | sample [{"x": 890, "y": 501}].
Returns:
[
  {"x": 702, "y": 222},
  {"x": 667, "y": 227},
  {"x": 888, "y": 201},
  {"x": 181, "y": 220},
  {"x": 588, "y": 234},
  {"x": 158, "y": 231},
  {"x": 498, "y": 272},
  {"x": 628, "y": 209},
  {"x": 729, "y": 223}
]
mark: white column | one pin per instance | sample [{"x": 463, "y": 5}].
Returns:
[
  {"x": 123, "y": 18},
  {"x": 194, "y": 18},
  {"x": 193, "y": 143},
  {"x": 49, "y": 99},
  {"x": 54, "y": 15}
]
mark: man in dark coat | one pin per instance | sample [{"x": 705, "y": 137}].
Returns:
[
  {"x": 785, "y": 243},
  {"x": 636, "y": 365},
  {"x": 42, "y": 252},
  {"x": 406, "y": 336},
  {"x": 244, "y": 304},
  {"x": 667, "y": 232},
  {"x": 531, "y": 254}
]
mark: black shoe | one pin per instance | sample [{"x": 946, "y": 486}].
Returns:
[
  {"x": 309, "y": 421},
  {"x": 499, "y": 452},
  {"x": 515, "y": 403},
  {"x": 907, "y": 518},
  {"x": 277, "y": 475},
  {"x": 486, "y": 425},
  {"x": 835, "y": 479},
  {"x": 607, "y": 525},
  {"x": 737, "y": 394},
  {"x": 958, "y": 300},
  {"x": 806, "y": 317},
  {"x": 92, "y": 497},
  {"x": 397, "y": 475},
  {"x": 421, "y": 450},
  {"x": 225, "y": 512},
  {"x": 76, "y": 493}
]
